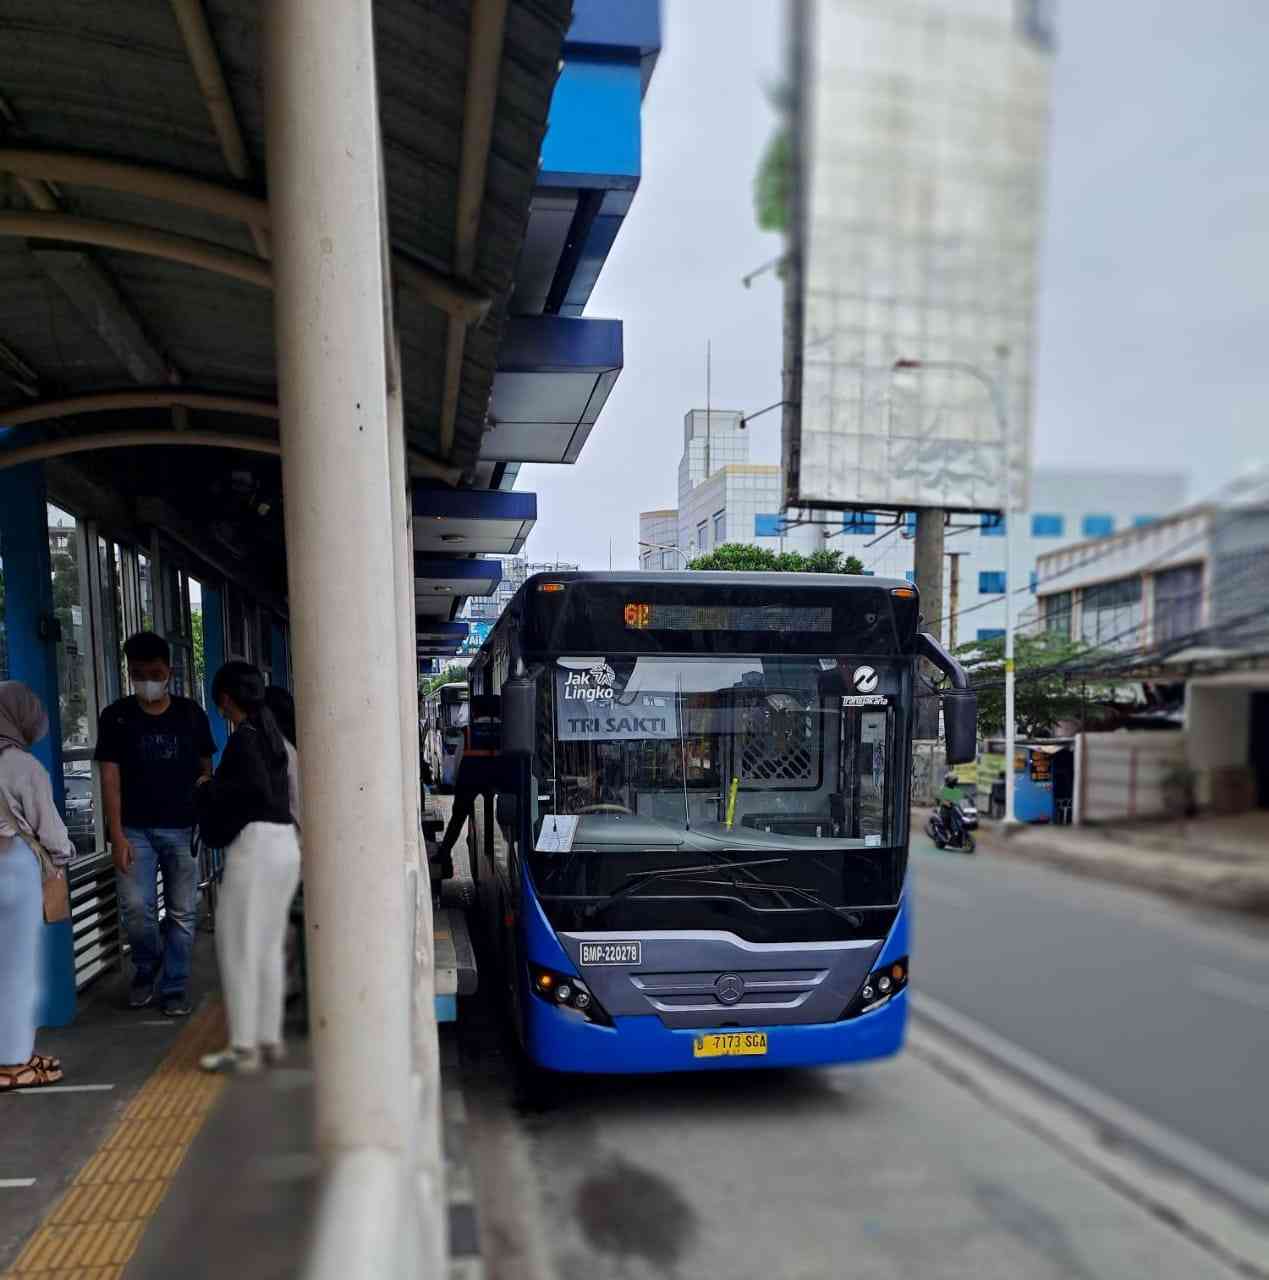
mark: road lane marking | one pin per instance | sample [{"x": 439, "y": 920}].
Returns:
[
  {"x": 1215, "y": 982},
  {"x": 65, "y": 1088},
  {"x": 1238, "y": 1185},
  {"x": 15, "y": 1184}
]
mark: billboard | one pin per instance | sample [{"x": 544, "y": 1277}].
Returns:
[{"x": 921, "y": 130}]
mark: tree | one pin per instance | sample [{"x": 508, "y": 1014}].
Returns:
[
  {"x": 452, "y": 674},
  {"x": 200, "y": 653},
  {"x": 741, "y": 557},
  {"x": 773, "y": 183},
  {"x": 1046, "y": 692}
]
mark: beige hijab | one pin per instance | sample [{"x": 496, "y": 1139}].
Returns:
[{"x": 23, "y": 720}]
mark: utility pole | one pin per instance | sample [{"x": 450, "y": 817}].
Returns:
[
  {"x": 929, "y": 581},
  {"x": 954, "y": 595},
  {"x": 1000, "y": 409}
]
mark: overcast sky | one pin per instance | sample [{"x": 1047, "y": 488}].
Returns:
[{"x": 1154, "y": 306}]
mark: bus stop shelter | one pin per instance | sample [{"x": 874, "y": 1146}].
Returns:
[{"x": 288, "y": 291}]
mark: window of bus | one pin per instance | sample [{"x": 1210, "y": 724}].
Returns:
[{"x": 748, "y": 748}]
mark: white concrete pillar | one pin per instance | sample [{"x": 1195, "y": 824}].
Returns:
[
  {"x": 325, "y": 200},
  {"x": 428, "y": 1161}
]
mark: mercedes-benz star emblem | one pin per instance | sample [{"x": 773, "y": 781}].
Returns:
[
  {"x": 729, "y": 988},
  {"x": 865, "y": 679}
]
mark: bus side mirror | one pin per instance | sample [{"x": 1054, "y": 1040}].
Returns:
[
  {"x": 519, "y": 716},
  {"x": 960, "y": 702},
  {"x": 960, "y": 725}
]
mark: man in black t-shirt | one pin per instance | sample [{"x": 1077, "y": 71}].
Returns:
[{"x": 152, "y": 749}]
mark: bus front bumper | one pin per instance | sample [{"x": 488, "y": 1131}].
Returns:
[{"x": 562, "y": 1041}]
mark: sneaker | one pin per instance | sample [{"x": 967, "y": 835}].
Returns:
[
  {"x": 274, "y": 1055},
  {"x": 141, "y": 993},
  {"x": 176, "y": 1005},
  {"x": 230, "y": 1061}
]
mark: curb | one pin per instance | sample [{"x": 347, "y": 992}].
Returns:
[
  {"x": 1225, "y": 886},
  {"x": 465, "y": 1260}
]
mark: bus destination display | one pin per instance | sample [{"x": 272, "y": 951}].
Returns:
[{"x": 688, "y": 617}]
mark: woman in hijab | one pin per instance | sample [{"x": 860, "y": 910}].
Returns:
[
  {"x": 246, "y": 810},
  {"x": 33, "y": 845}
]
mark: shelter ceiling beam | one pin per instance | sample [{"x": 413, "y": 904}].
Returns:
[
  {"x": 431, "y": 286},
  {"x": 141, "y": 398},
  {"x": 205, "y": 59},
  {"x": 173, "y": 397},
  {"x": 168, "y": 185},
  {"x": 18, "y": 372},
  {"x": 484, "y": 59},
  {"x": 133, "y": 239},
  {"x": 95, "y": 296}
]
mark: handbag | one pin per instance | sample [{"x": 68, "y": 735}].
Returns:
[{"x": 56, "y": 886}]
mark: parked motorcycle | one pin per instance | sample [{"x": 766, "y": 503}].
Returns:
[{"x": 954, "y": 835}]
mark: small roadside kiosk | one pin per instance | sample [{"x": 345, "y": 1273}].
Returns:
[{"x": 1044, "y": 777}]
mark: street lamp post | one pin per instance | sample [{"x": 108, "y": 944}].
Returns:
[
  {"x": 663, "y": 546},
  {"x": 1002, "y": 420}
]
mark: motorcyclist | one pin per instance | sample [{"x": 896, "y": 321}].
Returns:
[{"x": 950, "y": 798}]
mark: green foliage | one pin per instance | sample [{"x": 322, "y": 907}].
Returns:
[
  {"x": 1044, "y": 693},
  {"x": 72, "y": 690},
  {"x": 200, "y": 658},
  {"x": 773, "y": 183},
  {"x": 740, "y": 557},
  {"x": 451, "y": 675}
]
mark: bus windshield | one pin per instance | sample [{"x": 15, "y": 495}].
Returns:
[{"x": 751, "y": 751}]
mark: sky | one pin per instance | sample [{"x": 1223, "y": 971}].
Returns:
[{"x": 1153, "y": 312}]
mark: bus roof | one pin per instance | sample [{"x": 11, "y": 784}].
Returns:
[{"x": 722, "y": 578}]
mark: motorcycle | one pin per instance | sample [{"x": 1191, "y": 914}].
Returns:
[{"x": 946, "y": 838}]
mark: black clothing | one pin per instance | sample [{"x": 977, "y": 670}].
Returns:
[
  {"x": 464, "y": 807},
  {"x": 158, "y": 758},
  {"x": 248, "y": 787}
]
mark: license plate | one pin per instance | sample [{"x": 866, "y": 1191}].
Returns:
[
  {"x": 730, "y": 1044},
  {"x": 612, "y": 953}
]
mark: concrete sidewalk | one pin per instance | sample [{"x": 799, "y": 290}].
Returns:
[{"x": 1209, "y": 861}]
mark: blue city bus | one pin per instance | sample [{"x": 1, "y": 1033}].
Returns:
[{"x": 698, "y": 855}]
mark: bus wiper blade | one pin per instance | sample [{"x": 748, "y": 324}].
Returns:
[
  {"x": 638, "y": 879},
  {"x": 851, "y": 917}
]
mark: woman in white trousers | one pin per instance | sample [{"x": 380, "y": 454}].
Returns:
[{"x": 246, "y": 808}]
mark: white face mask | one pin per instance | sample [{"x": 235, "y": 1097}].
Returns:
[{"x": 150, "y": 690}]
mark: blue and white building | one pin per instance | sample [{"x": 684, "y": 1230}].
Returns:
[{"x": 723, "y": 497}]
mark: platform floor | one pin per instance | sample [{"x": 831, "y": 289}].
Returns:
[{"x": 142, "y": 1166}]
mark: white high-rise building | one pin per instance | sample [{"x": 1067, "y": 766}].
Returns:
[{"x": 723, "y": 498}]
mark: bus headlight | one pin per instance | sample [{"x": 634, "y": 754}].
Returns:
[
  {"x": 880, "y": 987},
  {"x": 567, "y": 992}
]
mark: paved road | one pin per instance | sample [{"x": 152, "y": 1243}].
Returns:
[
  {"x": 893, "y": 1170},
  {"x": 1164, "y": 1009}
]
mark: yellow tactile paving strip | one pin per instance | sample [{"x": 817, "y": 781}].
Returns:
[{"x": 92, "y": 1232}]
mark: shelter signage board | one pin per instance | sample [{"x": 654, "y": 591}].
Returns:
[{"x": 922, "y": 135}]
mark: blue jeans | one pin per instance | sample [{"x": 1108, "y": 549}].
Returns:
[{"x": 165, "y": 851}]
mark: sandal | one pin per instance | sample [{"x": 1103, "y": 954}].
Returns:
[
  {"x": 45, "y": 1063},
  {"x": 30, "y": 1076}
]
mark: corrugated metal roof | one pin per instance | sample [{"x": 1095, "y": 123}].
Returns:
[{"x": 115, "y": 81}]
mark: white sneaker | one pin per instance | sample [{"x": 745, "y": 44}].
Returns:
[
  {"x": 243, "y": 1062},
  {"x": 274, "y": 1055}
]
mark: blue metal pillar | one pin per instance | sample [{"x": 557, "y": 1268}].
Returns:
[
  {"x": 213, "y": 657},
  {"x": 29, "y": 622}
]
